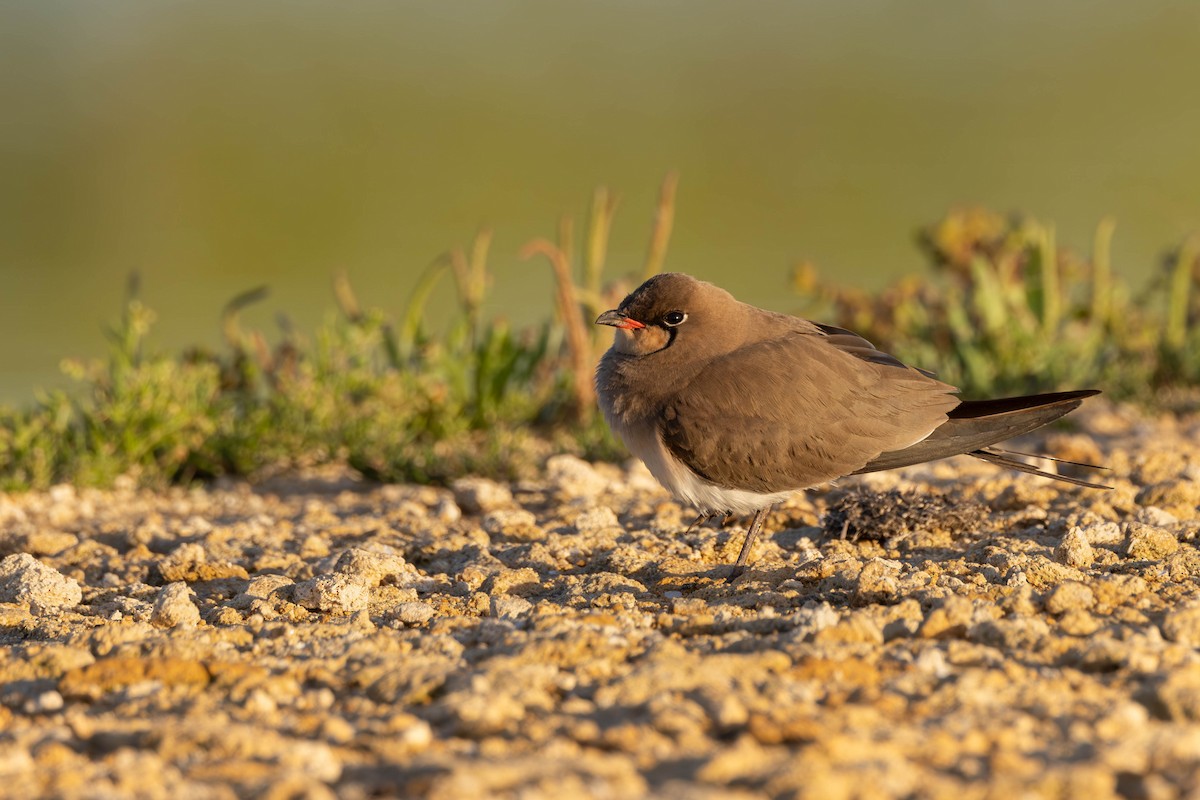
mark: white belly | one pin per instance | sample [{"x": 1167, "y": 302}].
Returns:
[{"x": 645, "y": 443}]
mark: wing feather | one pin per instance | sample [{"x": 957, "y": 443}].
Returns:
[{"x": 798, "y": 411}]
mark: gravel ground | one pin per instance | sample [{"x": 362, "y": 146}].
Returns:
[{"x": 975, "y": 633}]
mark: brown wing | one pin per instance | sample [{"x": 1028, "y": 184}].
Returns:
[{"x": 798, "y": 411}]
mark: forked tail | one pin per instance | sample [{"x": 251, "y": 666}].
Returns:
[{"x": 975, "y": 425}]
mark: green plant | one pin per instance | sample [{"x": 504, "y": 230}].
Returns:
[{"x": 1003, "y": 309}]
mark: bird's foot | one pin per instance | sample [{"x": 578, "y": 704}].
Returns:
[
  {"x": 705, "y": 516},
  {"x": 700, "y": 520}
]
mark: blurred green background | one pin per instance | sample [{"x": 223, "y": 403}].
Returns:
[{"x": 216, "y": 146}]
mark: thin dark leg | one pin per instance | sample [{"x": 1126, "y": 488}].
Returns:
[
  {"x": 752, "y": 534},
  {"x": 704, "y": 517}
]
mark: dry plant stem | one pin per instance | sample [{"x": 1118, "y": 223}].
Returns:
[
  {"x": 573, "y": 323},
  {"x": 1102, "y": 272},
  {"x": 664, "y": 219},
  {"x": 604, "y": 206},
  {"x": 1051, "y": 300},
  {"x": 410, "y": 324},
  {"x": 229, "y": 316},
  {"x": 347, "y": 300},
  {"x": 1181, "y": 283},
  {"x": 477, "y": 281}
]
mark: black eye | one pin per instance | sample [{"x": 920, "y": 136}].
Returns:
[{"x": 674, "y": 318}]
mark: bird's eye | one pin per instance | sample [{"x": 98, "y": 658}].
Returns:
[{"x": 674, "y": 318}]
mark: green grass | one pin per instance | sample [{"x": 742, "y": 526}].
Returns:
[{"x": 1002, "y": 309}]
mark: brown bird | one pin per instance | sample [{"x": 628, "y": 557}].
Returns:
[{"x": 733, "y": 408}]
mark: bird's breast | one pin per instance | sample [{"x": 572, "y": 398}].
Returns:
[{"x": 644, "y": 441}]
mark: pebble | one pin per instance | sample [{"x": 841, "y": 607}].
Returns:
[
  {"x": 45, "y": 590},
  {"x": 45, "y": 703},
  {"x": 1075, "y": 550},
  {"x": 173, "y": 608},
  {"x": 373, "y": 568},
  {"x": 414, "y": 612},
  {"x": 1146, "y": 543},
  {"x": 515, "y": 523},
  {"x": 477, "y": 495},
  {"x": 336, "y": 593},
  {"x": 598, "y": 518},
  {"x": 1103, "y": 533},
  {"x": 1182, "y": 624},
  {"x": 1070, "y": 596},
  {"x": 510, "y": 607},
  {"x": 575, "y": 477}
]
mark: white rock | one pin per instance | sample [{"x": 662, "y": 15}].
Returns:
[
  {"x": 373, "y": 568},
  {"x": 574, "y": 476},
  {"x": 173, "y": 608},
  {"x": 599, "y": 518},
  {"x": 475, "y": 495},
  {"x": 1103, "y": 533},
  {"x": 334, "y": 592},
  {"x": 24, "y": 579},
  {"x": 1075, "y": 550},
  {"x": 507, "y": 606},
  {"x": 510, "y": 522},
  {"x": 1153, "y": 515},
  {"x": 414, "y": 612}
]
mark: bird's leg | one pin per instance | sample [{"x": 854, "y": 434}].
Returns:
[
  {"x": 704, "y": 517},
  {"x": 752, "y": 534}
]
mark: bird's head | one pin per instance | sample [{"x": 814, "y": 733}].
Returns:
[{"x": 668, "y": 309}]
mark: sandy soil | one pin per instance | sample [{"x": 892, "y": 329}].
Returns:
[{"x": 987, "y": 635}]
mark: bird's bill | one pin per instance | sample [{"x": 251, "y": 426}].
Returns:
[{"x": 619, "y": 320}]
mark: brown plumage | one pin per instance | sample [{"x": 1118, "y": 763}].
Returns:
[{"x": 732, "y": 407}]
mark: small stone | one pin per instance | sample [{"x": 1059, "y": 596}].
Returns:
[
  {"x": 1075, "y": 550},
  {"x": 1153, "y": 515},
  {"x": 334, "y": 592},
  {"x": 510, "y": 607},
  {"x": 1174, "y": 492},
  {"x": 1146, "y": 543},
  {"x": 506, "y": 580},
  {"x": 372, "y": 568},
  {"x": 1102, "y": 533},
  {"x": 1069, "y": 596},
  {"x": 25, "y": 580},
  {"x": 48, "y": 542},
  {"x": 476, "y": 495},
  {"x": 851, "y": 629},
  {"x": 515, "y": 523},
  {"x": 949, "y": 619},
  {"x": 1177, "y": 697},
  {"x": 479, "y": 604},
  {"x": 480, "y": 714},
  {"x": 575, "y": 477},
  {"x": 878, "y": 581},
  {"x": 261, "y": 587},
  {"x": 597, "y": 519},
  {"x": 174, "y": 608},
  {"x": 16, "y": 761},
  {"x": 189, "y": 562},
  {"x": 414, "y": 612},
  {"x": 224, "y": 616},
  {"x": 45, "y": 703},
  {"x": 1182, "y": 625},
  {"x": 416, "y": 736},
  {"x": 447, "y": 511}
]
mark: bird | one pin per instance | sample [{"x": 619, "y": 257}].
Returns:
[{"x": 733, "y": 408}]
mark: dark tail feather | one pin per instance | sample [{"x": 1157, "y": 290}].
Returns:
[
  {"x": 1002, "y": 458},
  {"x": 1083, "y": 464},
  {"x": 977, "y": 424}
]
